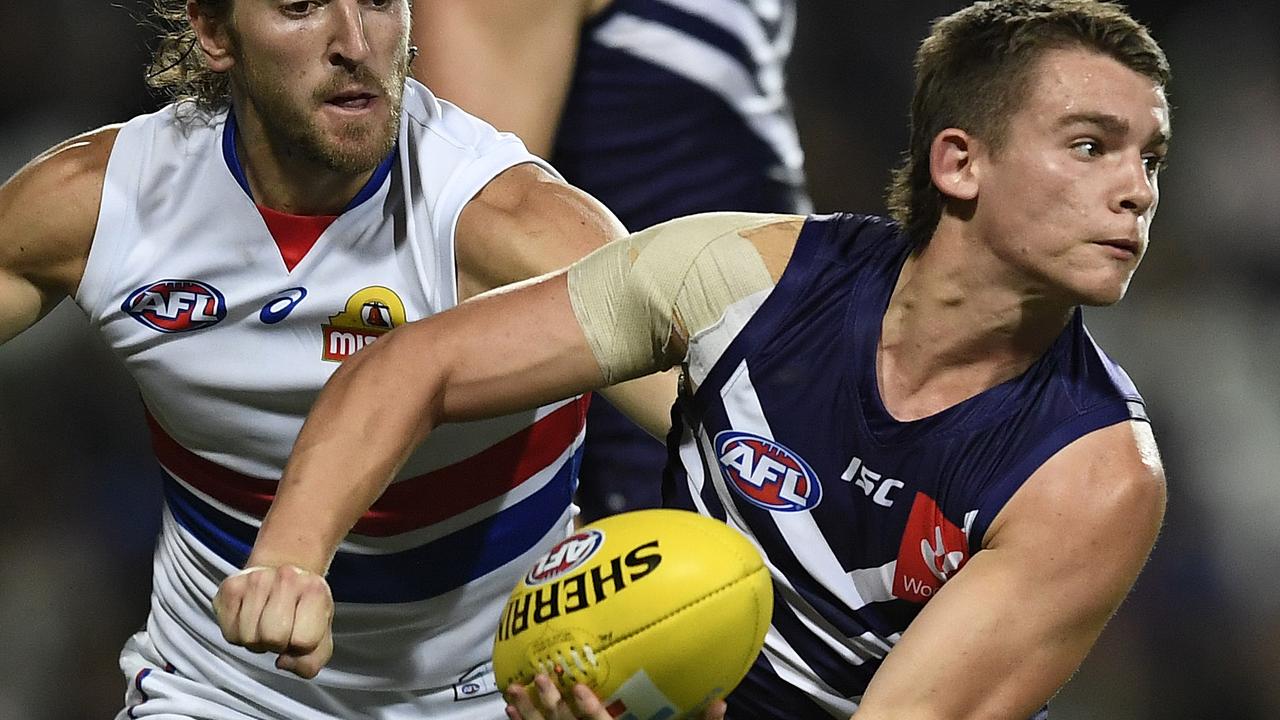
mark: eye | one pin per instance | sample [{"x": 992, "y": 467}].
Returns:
[
  {"x": 1087, "y": 148},
  {"x": 302, "y": 7},
  {"x": 1154, "y": 162}
]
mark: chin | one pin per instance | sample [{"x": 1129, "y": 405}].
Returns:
[{"x": 1103, "y": 296}]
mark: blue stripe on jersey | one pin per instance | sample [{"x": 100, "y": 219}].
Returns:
[
  {"x": 839, "y": 674},
  {"x": 653, "y": 143},
  {"x": 762, "y": 695},
  {"x": 410, "y": 575},
  {"x": 813, "y": 240},
  {"x": 688, "y": 24},
  {"x": 653, "y": 146}
]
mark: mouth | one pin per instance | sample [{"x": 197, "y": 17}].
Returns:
[
  {"x": 352, "y": 100},
  {"x": 1122, "y": 247}
]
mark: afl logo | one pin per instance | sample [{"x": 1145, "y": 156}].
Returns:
[
  {"x": 567, "y": 555},
  {"x": 281, "y": 305},
  {"x": 174, "y": 306},
  {"x": 767, "y": 473}
]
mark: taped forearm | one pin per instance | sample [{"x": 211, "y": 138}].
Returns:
[{"x": 634, "y": 295}]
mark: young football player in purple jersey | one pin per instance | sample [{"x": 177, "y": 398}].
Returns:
[{"x": 946, "y": 350}]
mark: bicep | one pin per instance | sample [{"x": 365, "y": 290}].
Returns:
[
  {"x": 525, "y": 223},
  {"x": 48, "y": 212},
  {"x": 506, "y": 61},
  {"x": 1008, "y": 629}
]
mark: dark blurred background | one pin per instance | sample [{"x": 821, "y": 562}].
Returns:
[{"x": 1200, "y": 636}]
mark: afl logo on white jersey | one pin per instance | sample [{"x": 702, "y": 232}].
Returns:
[
  {"x": 767, "y": 473},
  {"x": 565, "y": 556},
  {"x": 174, "y": 306}
]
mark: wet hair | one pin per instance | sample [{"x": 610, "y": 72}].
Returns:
[
  {"x": 973, "y": 71},
  {"x": 178, "y": 67}
]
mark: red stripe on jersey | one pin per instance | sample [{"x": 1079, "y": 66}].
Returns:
[
  {"x": 411, "y": 503},
  {"x": 295, "y": 235}
]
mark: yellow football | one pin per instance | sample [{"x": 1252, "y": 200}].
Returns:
[{"x": 660, "y": 612}]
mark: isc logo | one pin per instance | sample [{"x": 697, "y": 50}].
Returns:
[
  {"x": 767, "y": 473},
  {"x": 173, "y": 306},
  {"x": 566, "y": 555}
]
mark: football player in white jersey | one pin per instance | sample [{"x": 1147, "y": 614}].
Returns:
[
  {"x": 233, "y": 248},
  {"x": 1012, "y": 217}
]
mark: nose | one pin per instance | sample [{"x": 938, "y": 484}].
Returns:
[
  {"x": 1137, "y": 190},
  {"x": 348, "y": 46}
]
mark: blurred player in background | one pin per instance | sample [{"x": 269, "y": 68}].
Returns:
[
  {"x": 658, "y": 108},
  {"x": 233, "y": 249},
  {"x": 953, "y": 485}
]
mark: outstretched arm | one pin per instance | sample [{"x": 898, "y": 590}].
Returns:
[
  {"x": 615, "y": 315},
  {"x": 1011, "y": 626}
]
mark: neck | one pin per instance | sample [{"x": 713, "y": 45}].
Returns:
[
  {"x": 282, "y": 178},
  {"x": 957, "y": 324}
]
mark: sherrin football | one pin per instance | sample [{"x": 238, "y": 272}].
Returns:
[{"x": 660, "y": 612}]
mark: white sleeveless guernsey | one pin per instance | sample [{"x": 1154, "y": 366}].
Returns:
[{"x": 230, "y": 346}]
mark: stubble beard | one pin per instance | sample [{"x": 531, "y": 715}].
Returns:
[{"x": 356, "y": 147}]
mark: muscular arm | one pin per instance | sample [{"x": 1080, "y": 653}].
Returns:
[
  {"x": 507, "y": 61},
  {"x": 1009, "y": 629},
  {"x": 526, "y": 223},
  {"x": 508, "y": 350},
  {"x": 48, "y": 212}
]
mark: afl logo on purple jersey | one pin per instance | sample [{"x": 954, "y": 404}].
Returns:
[
  {"x": 767, "y": 473},
  {"x": 174, "y": 306},
  {"x": 565, "y": 556}
]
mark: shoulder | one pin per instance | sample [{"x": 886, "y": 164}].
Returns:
[
  {"x": 49, "y": 209},
  {"x": 440, "y": 120},
  {"x": 1104, "y": 492}
]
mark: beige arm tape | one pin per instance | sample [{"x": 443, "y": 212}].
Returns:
[{"x": 628, "y": 295}]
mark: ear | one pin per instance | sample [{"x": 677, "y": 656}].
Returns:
[
  {"x": 952, "y": 164},
  {"x": 213, "y": 38}
]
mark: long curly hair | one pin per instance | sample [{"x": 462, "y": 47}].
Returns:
[{"x": 177, "y": 67}]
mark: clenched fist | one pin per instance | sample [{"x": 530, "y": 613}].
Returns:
[{"x": 285, "y": 610}]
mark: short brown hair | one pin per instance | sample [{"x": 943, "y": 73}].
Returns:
[
  {"x": 178, "y": 68},
  {"x": 975, "y": 66}
]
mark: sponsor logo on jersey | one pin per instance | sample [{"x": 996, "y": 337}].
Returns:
[
  {"x": 368, "y": 315},
  {"x": 565, "y": 556},
  {"x": 279, "y": 307},
  {"x": 174, "y": 306},
  {"x": 767, "y": 473},
  {"x": 578, "y": 592},
  {"x": 874, "y": 485},
  {"x": 932, "y": 550},
  {"x": 476, "y": 682}
]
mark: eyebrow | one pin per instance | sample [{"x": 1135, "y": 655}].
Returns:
[{"x": 1111, "y": 124}]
